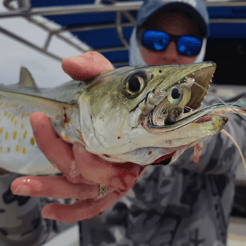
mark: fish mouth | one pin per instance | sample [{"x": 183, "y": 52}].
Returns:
[
  {"x": 213, "y": 119},
  {"x": 164, "y": 160},
  {"x": 197, "y": 117},
  {"x": 167, "y": 116},
  {"x": 210, "y": 119}
]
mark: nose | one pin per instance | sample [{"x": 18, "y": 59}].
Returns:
[{"x": 170, "y": 55}]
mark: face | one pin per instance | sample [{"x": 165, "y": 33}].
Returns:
[{"x": 176, "y": 24}]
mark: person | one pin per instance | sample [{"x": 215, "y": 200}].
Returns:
[
  {"x": 180, "y": 204},
  {"x": 20, "y": 217}
]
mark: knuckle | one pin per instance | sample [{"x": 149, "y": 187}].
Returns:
[
  {"x": 92, "y": 55},
  {"x": 87, "y": 192}
]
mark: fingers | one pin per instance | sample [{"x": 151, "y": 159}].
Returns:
[
  {"x": 80, "y": 210},
  {"x": 89, "y": 166},
  {"x": 86, "y": 66},
  {"x": 57, "y": 151},
  {"x": 56, "y": 187},
  {"x": 92, "y": 167}
]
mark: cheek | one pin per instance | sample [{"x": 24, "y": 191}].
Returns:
[{"x": 150, "y": 57}]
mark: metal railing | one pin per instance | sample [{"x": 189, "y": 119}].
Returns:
[{"x": 22, "y": 8}]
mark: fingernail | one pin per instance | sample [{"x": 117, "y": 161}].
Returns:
[
  {"x": 22, "y": 190},
  {"x": 50, "y": 216}
]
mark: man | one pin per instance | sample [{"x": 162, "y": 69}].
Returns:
[{"x": 182, "y": 204}]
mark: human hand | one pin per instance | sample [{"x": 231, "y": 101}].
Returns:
[{"x": 83, "y": 171}]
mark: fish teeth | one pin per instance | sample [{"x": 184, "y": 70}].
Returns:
[{"x": 189, "y": 82}]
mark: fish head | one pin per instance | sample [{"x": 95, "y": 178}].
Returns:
[{"x": 143, "y": 113}]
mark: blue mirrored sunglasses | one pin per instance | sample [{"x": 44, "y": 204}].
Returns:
[{"x": 158, "y": 41}]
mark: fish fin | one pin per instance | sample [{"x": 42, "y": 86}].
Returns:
[
  {"x": 26, "y": 79},
  {"x": 51, "y": 108}
]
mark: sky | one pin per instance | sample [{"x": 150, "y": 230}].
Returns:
[{"x": 46, "y": 71}]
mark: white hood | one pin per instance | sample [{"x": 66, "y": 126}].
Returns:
[{"x": 135, "y": 57}]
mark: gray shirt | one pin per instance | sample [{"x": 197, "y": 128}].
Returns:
[{"x": 185, "y": 204}]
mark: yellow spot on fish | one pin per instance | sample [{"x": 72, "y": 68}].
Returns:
[
  {"x": 24, "y": 135},
  {"x": 1, "y": 149},
  {"x": 17, "y": 149},
  {"x": 6, "y": 136},
  {"x": 65, "y": 138},
  {"x": 1, "y": 130},
  {"x": 6, "y": 105},
  {"x": 14, "y": 134},
  {"x": 1, "y": 104},
  {"x": 8, "y": 149},
  {"x": 32, "y": 141},
  {"x": 22, "y": 125},
  {"x": 22, "y": 116},
  {"x": 24, "y": 150},
  {"x": 15, "y": 123},
  {"x": 12, "y": 119},
  {"x": 5, "y": 113}
]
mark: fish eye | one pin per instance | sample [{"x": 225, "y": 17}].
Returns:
[
  {"x": 175, "y": 93},
  {"x": 179, "y": 95},
  {"x": 175, "y": 96},
  {"x": 135, "y": 83}
]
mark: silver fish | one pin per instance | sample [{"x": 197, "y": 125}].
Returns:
[{"x": 131, "y": 114}]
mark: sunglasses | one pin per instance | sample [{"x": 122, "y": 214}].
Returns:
[{"x": 158, "y": 41}]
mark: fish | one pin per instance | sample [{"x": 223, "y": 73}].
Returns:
[{"x": 138, "y": 114}]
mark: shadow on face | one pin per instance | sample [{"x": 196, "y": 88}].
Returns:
[{"x": 175, "y": 24}]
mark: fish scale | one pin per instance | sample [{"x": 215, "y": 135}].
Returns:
[{"x": 17, "y": 140}]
